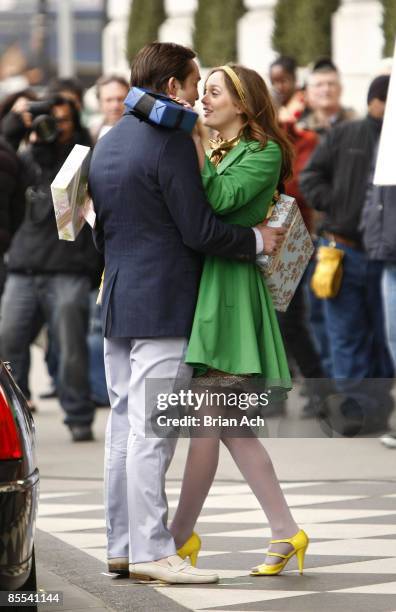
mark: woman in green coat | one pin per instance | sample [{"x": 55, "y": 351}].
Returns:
[{"x": 235, "y": 336}]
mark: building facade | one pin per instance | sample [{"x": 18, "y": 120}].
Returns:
[{"x": 357, "y": 38}]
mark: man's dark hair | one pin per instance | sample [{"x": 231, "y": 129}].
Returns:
[
  {"x": 288, "y": 64},
  {"x": 378, "y": 88},
  {"x": 324, "y": 64},
  {"x": 157, "y": 62},
  {"x": 57, "y": 85},
  {"x": 110, "y": 78}
]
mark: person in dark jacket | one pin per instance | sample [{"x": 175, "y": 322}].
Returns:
[
  {"x": 379, "y": 238},
  {"x": 338, "y": 181},
  {"x": 11, "y": 200},
  {"x": 323, "y": 111},
  {"x": 49, "y": 279}
]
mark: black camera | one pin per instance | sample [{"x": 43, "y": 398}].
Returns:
[{"x": 43, "y": 124}]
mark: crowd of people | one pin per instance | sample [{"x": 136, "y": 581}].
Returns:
[
  {"x": 343, "y": 346},
  {"x": 350, "y": 220}
]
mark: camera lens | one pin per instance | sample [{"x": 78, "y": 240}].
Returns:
[{"x": 45, "y": 128}]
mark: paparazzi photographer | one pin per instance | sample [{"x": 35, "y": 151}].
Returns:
[
  {"x": 11, "y": 201},
  {"x": 49, "y": 280},
  {"x": 15, "y": 118}
]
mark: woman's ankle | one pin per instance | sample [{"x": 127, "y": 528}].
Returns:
[
  {"x": 281, "y": 533},
  {"x": 180, "y": 536}
]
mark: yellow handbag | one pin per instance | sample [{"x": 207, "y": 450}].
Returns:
[{"x": 327, "y": 277}]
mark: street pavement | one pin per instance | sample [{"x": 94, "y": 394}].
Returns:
[{"x": 341, "y": 491}]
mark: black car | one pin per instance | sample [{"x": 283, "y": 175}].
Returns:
[{"x": 19, "y": 487}]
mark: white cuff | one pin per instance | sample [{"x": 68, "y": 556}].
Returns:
[{"x": 259, "y": 241}]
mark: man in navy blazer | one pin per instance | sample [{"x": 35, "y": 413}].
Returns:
[{"x": 153, "y": 222}]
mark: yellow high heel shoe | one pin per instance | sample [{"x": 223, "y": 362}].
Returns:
[
  {"x": 191, "y": 548},
  {"x": 299, "y": 542}
]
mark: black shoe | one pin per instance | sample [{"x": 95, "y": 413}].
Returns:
[
  {"x": 345, "y": 416},
  {"x": 50, "y": 394},
  {"x": 31, "y": 405},
  {"x": 81, "y": 433}
]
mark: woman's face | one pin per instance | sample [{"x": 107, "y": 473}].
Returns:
[
  {"x": 283, "y": 83},
  {"x": 221, "y": 112}
]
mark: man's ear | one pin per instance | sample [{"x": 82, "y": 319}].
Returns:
[{"x": 173, "y": 86}]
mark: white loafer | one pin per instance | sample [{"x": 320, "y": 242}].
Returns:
[{"x": 172, "y": 570}]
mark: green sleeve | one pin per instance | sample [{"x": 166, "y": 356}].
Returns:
[{"x": 256, "y": 171}]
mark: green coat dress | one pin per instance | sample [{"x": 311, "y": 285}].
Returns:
[{"x": 235, "y": 328}]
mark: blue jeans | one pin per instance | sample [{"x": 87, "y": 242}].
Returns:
[
  {"x": 389, "y": 296},
  {"x": 361, "y": 363},
  {"x": 97, "y": 377},
  {"x": 62, "y": 300},
  {"x": 97, "y": 374},
  {"x": 355, "y": 321},
  {"x": 317, "y": 323}
]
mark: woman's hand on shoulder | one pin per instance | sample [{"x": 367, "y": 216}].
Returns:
[
  {"x": 195, "y": 132},
  {"x": 181, "y": 101}
]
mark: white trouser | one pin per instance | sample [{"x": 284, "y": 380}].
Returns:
[{"x": 135, "y": 466}]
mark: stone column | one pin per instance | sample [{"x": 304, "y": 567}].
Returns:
[
  {"x": 254, "y": 35},
  {"x": 357, "y": 47},
  {"x": 179, "y": 24},
  {"x": 114, "y": 38}
]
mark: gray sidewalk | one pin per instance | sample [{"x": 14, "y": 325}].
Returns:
[{"x": 75, "y": 598}]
